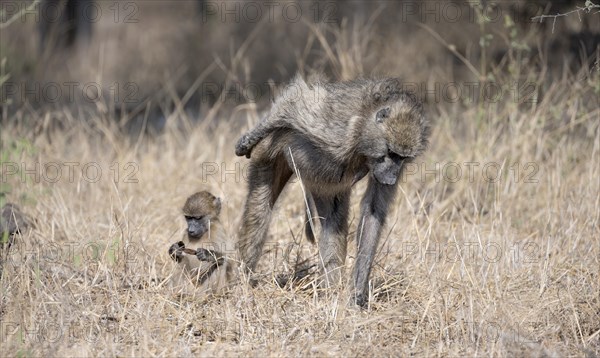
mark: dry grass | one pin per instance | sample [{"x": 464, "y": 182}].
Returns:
[{"x": 465, "y": 267}]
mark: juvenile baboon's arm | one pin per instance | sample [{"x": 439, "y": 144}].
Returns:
[
  {"x": 178, "y": 249},
  {"x": 214, "y": 257}
]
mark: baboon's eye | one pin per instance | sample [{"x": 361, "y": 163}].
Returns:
[
  {"x": 198, "y": 218},
  {"x": 382, "y": 114},
  {"x": 397, "y": 157}
]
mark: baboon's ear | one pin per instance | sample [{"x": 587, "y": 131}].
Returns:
[
  {"x": 217, "y": 203},
  {"x": 382, "y": 114}
]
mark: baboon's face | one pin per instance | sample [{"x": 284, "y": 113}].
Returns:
[
  {"x": 197, "y": 226},
  {"x": 403, "y": 135},
  {"x": 199, "y": 210}
]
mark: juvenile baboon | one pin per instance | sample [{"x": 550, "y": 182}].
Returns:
[
  {"x": 332, "y": 135},
  {"x": 200, "y": 253}
]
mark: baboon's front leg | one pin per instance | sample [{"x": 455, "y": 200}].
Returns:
[
  {"x": 333, "y": 243},
  {"x": 266, "y": 180},
  {"x": 374, "y": 207}
]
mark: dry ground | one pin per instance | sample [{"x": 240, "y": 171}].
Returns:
[{"x": 492, "y": 247}]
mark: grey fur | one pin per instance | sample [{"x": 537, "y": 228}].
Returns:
[
  {"x": 334, "y": 134},
  {"x": 12, "y": 223}
]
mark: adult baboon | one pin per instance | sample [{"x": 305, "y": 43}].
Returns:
[
  {"x": 332, "y": 135},
  {"x": 200, "y": 253}
]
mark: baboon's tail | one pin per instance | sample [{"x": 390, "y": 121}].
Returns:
[{"x": 309, "y": 219}]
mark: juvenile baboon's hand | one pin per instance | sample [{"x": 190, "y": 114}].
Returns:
[
  {"x": 176, "y": 251},
  {"x": 204, "y": 255},
  {"x": 243, "y": 146},
  {"x": 386, "y": 90}
]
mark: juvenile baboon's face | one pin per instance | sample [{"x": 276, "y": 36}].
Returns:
[
  {"x": 403, "y": 132},
  {"x": 199, "y": 210}
]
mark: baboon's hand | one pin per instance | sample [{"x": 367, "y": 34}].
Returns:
[
  {"x": 387, "y": 90},
  {"x": 243, "y": 146},
  {"x": 176, "y": 251},
  {"x": 204, "y": 255}
]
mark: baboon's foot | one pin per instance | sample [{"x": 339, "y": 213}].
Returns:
[
  {"x": 331, "y": 278},
  {"x": 298, "y": 276},
  {"x": 360, "y": 299},
  {"x": 244, "y": 147}
]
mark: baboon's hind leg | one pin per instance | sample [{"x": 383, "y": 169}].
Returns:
[
  {"x": 266, "y": 180},
  {"x": 266, "y": 126}
]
